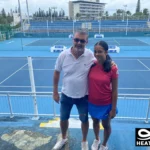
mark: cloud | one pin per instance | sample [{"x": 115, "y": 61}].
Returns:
[{"x": 34, "y": 5}]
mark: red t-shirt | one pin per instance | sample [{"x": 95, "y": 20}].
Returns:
[{"x": 100, "y": 89}]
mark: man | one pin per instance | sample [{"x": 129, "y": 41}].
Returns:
[{"x": 75, "y": 64}]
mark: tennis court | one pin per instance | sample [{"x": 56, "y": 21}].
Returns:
[
  {"x": 44, "y": 44},
  {"x": 133, "y": 74},
  {"x": 134, "y": 70}
]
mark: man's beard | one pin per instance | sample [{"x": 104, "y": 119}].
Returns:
[{"x": 79, "y": 49}]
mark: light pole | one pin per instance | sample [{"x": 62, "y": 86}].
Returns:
[
  {"x": 127, "y": 26},
  {"x": 148, "y": 16},
  {"x": 20, "y": 15},
  {"x": 28, "y": 11},
  {"x": 73, "y": 25},
  {"x": 99, "y": 25},
  {"x": 51, "y": 16},
  {"x": 99, "y": 20},
  {"x": 124, "y": 11},
  {"x": 54, "y": 13},
  {"x": 21, "y": 22},
  {"x": 47, "y": 29}
]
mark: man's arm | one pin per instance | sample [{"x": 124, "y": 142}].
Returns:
[{"x": 55, "y": 86}]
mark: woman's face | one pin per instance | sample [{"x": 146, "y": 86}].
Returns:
[{"x": 100, "y": 53}]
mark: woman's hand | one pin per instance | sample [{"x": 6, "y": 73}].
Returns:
[{"x": 112, "y": 113}]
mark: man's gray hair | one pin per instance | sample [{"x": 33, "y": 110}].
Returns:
[{"x": 82, "y": 32}]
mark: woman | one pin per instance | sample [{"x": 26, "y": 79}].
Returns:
[{"x": 103, "y": 91}]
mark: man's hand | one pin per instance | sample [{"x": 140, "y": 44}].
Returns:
[{"x": 56, "y": 97}]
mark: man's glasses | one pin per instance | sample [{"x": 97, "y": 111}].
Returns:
[{"x": 81, "y": 41}]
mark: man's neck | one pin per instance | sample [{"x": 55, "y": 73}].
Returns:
[{"x": 76, "y": 53}]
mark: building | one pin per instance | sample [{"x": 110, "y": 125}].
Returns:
[{"x": 86, "y": 9}]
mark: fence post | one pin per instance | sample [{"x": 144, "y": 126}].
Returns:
[
  {"x": 31, "y": 73},
  {"x": 54, "y": 110},
  {"x": 10, "y": 106},
  {"x": 148, "y": 111}
]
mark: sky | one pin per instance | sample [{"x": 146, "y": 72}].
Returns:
[{"x": 111, "y": 5}]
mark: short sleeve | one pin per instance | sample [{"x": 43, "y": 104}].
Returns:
[
  {"x": 59, "y": 61},
  {"x": 115, "y": 72}
]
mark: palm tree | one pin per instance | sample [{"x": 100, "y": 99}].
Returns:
[
  {"x": 78, "y": 15},
  {"x": 128, "y": 13}
]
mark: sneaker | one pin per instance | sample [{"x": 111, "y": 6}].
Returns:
[
  {"x": 60, "y": 144},
  {"x": 95, "y": 144},
  {"x": 102, "y": 147},
  {"x": 84, "y": 146}
]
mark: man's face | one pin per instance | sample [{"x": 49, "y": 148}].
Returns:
[{"x": 80, "y": 41}]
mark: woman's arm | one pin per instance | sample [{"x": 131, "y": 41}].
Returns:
[{"x": 114, "y": 97}]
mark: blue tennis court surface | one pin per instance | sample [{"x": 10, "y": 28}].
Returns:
[
  {"x": 114, "y": 41},
  {"x": 134, "y": 71},
  {"x": 134, "y": 74},
  {"x": 44, "y": 44}
]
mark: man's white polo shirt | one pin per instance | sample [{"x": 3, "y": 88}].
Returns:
[{"x": 75, "y": 72}]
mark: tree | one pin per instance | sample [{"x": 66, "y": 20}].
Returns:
[
  {"x": 145, "y": 12},
  {"x": 138, "y": 6},
  {"x": 128, "y": 13},
  {"x": 60, "y": 14},
  {"x": 63, "y": 13},
  {"x": 39, "y": 14},
  {"x": 106, "y": 14},
  {"x": 3, "y": 13},
  {"x": 11, "y": 12},
  {"x": 55, "y": 14},
  {"x": 9, "y": 18},
  {"x": 47, "y": 14},
  {"x": 78, "y": 15},
  {"x": 114, "y": 14},
  {"x": 88, "y": 16},
  {"x": 16, "y": 10},
  {"x": 100, "y": 14},
  {"x": 119, "y": 12}
]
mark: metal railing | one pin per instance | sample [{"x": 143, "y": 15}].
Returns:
[{"x": 131, "y": 106}]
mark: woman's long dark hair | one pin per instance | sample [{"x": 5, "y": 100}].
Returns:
[{"x": 107, "y": 63}]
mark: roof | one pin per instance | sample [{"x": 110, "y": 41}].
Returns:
[{"x": 87, "y": 2}]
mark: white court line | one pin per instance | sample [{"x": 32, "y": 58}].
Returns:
[
  {"x": 31, "y": 42},
  {"x": 10, "y": 42},
  {"x": 135, "y": 70},
  {"x": 148, "y": 148},
  {"x": 143, "y": 64},
  {"x": 130, "y": 59},
  {"x": 61, "y": 86},
  {"x": 39, "y": 69},
  {"x": 13, "y": 74},
  {"x": 29, "y": 86},
  {"x": 125, "y": 58},
  {"x": 14, "y": 86},
  {"x": 56, "y": 42},
  {"x": 119, "y": 70},
  {"x": 116, "y": 42},
  {"x": 143, "y": 41},
  {"x": 134, "y": 88}
]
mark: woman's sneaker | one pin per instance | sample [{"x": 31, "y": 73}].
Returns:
[
  {"x": 95, "y": 144},
  {"x": 60, "y": 144},
  {"x": 102, "y": 147},
  {"x": 84, "y": 146}
]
